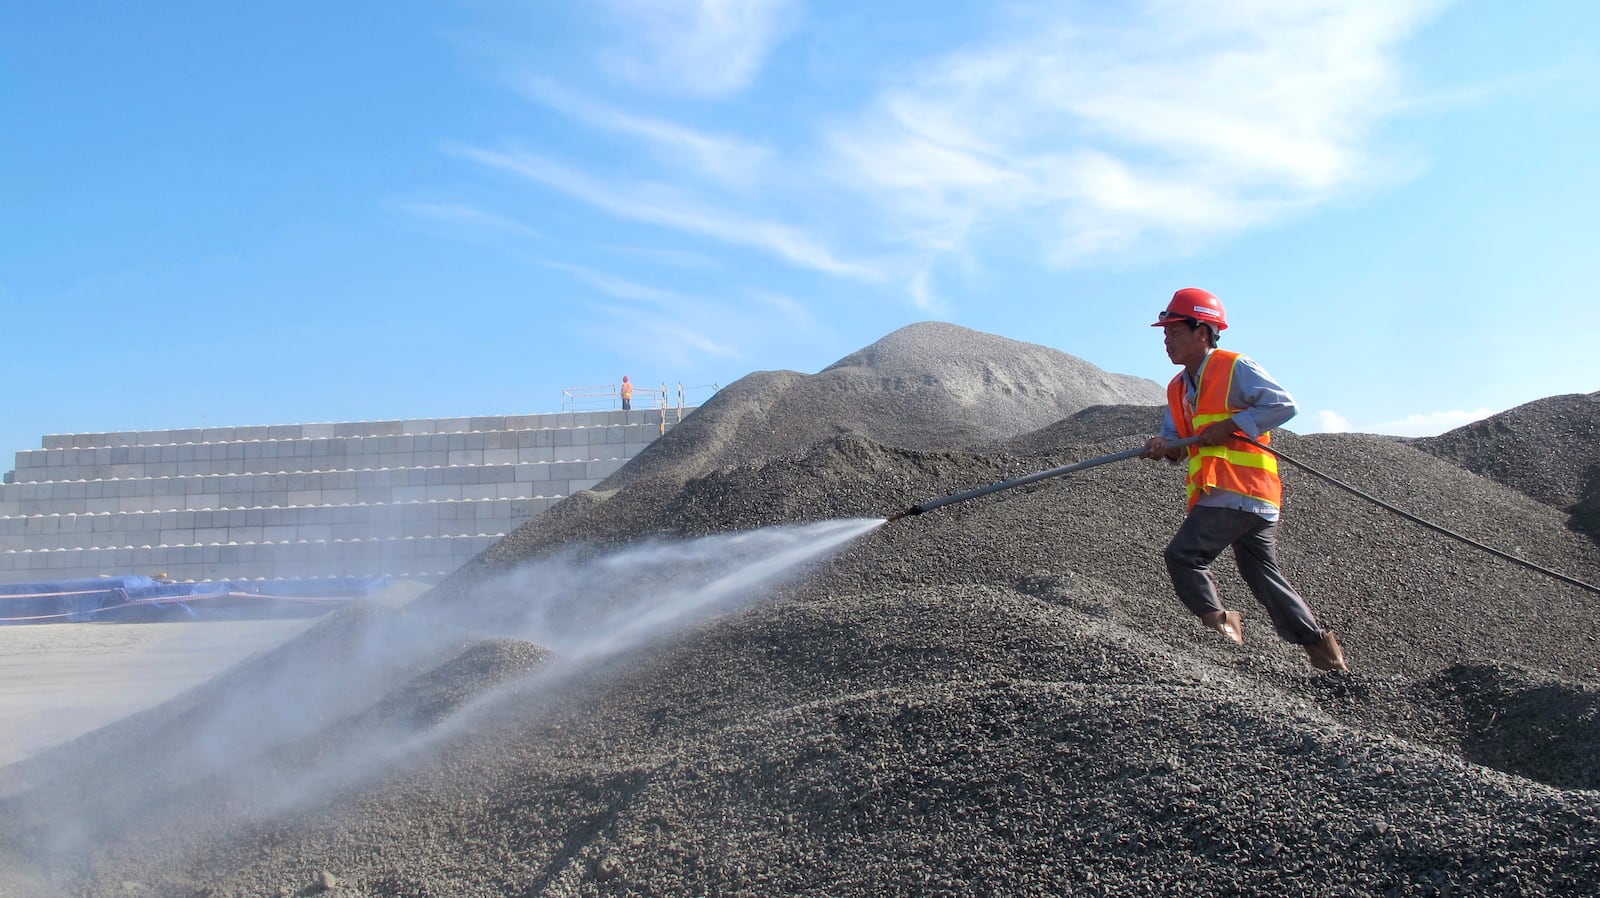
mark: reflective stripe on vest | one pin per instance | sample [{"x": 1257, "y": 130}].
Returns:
[{"x": 1237, "y": 466}]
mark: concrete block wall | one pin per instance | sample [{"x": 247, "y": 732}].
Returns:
[{"x": 415, "y": 498}]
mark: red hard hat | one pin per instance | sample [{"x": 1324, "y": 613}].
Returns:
[{"x": 1192, "y": 302}]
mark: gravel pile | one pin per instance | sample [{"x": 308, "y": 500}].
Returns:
[
  {"x": 926, "y": 385},
  {"x": 998, "y": 697},
  {"x": 1547, "y": 449}
]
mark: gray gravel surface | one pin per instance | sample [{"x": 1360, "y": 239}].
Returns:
[
  {"x": 1549, "y": 449},
  {"x": 998, "y": 697}
]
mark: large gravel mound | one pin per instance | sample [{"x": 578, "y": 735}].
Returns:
[
  {"x": 997, "y": 697},
  {"x": 1549, "y": 449},
  {"x": 928, "y": 385}
]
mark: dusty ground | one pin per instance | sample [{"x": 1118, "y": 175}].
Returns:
[
  {"x": 999, "y": 697},
  {"x": 59, "y": 681}
]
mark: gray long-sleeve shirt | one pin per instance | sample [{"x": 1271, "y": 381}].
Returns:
[{"x": 1264, "y": 405}]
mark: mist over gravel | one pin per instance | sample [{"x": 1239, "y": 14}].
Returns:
[{"x": 1000, "y": 697}]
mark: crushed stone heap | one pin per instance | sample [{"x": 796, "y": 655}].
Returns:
[{"x": 998, "y": 697}]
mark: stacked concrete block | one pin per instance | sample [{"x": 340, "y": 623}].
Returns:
[{"x": 414, "y": 498}]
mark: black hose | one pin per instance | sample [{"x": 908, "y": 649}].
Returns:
[
  {"x": 1131, "y": 453},
  {"x": 1428, "y": 524},
  {"x": 931, "y": 504}
]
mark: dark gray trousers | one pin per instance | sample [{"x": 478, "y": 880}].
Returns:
[{"x": 1203, "y": 536}]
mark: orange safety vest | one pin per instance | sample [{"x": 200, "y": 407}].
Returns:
[
  {"x": 1237, "y": 466},
  {"x": 627, "y": 390}
]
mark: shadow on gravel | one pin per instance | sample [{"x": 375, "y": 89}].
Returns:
[
  {"x": 1544, "y": 730},
  {"x": 1586, "y": 512}
]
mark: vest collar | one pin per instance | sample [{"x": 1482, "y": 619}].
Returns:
[{"x": 1193, "y": 380}]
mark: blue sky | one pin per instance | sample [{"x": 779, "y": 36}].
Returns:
[{"x": 222, "y": 214}]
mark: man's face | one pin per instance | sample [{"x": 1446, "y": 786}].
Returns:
[{"x": 1186, "y": 345}]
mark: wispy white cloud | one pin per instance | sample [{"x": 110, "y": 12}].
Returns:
[
  {"x": 1331, "y": 422},
  {"x": 1557, "y": 75},
  {"x": 1183, "y": 123},
  {"x": 677, "y": 258},
  {"x": 1427, "y": 424},
  {"x": 710, "y": 48},
  {"x": 922, "y": 295},
  {"x": 621, "y": 288},
  {"x": 1150, "y": 130},
  {"x": 458, "y": 215},
  {"x": 659, "y": 322},
  {"x": 791, "y": 311},
  {"x": 670, "y": 207},
  {"x": 936, "y": 185},
  {"x": 724, "y": 159},
  {"x": 694, "y": 339},
  {"x": 1422, "y": 424},
  {"x": 666, "y": 341}
]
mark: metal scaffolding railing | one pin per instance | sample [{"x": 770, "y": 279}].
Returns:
[
  {"x": 579, "y": 399},
  {"x": 609, "y": 396}
]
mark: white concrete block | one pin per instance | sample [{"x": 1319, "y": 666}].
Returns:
[
  {"x": 314, "y": 532},
  {"x": 244, "y": 535},
  {"x": 531, "y": 454},
  {"x": 176, "y": 537},
  {"x": 600, "y": 469},
  {"x": 278, "y": 533},
  {"x": 207, "y": 535},
  {"x": 539, "y": 473}
]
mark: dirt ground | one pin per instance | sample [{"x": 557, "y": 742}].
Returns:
[{"x": 59, "y": 681}]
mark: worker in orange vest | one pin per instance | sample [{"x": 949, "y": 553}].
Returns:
[
  {"x": 627, "y": 393},
  {"x": 1234, "y": 492}
]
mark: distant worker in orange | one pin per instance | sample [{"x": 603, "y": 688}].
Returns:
[
  {"x": 1233, "y": 486},
  {"x": 627, "y": 393}
]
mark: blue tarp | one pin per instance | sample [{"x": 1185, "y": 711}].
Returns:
[{"x": 136, "y": 598}]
